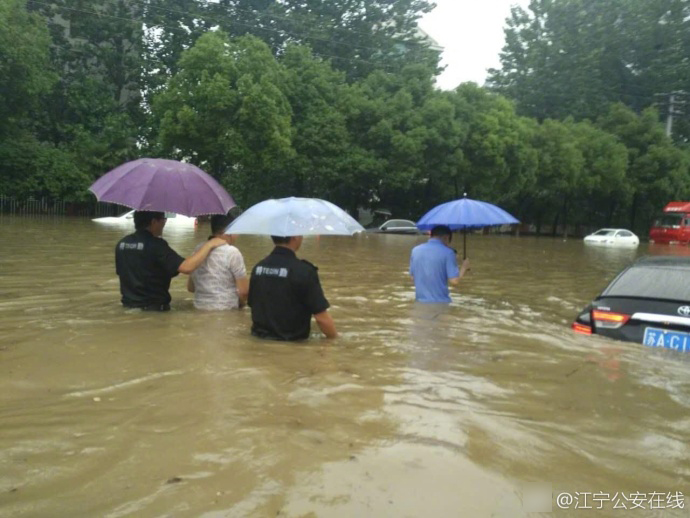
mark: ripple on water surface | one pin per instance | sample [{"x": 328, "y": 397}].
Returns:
[{"x": 415, "y": 410}]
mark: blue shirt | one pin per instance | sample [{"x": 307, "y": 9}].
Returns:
[{"x": 431, "y": 265}]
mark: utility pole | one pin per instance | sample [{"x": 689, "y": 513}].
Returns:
[
  {"x": 676, "y": 104},
  {"x": 669, "y": 117}
]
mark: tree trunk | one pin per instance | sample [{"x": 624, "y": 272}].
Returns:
[
  {"x": 523, "y": 205},
  {"x": 565, "y": 216},
  {"x": 633, "y": 211},
  {"x": 613, "y": 205},
  {"x": 428, "y": 190}
]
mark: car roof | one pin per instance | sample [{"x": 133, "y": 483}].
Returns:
[
  {"x": 401, "y": 221},
  {"x": 664, "y": 261}
]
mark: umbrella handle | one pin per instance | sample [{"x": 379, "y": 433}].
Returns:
[
  {"x": 464, "y": 247},
  {"x": 464, "y": 243}
]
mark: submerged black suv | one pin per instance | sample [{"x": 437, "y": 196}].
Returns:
[{"x": 648, "y": 303}]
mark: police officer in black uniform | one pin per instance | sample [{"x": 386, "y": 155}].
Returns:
[
  {"x": 284, "y": 293},
  {"x": 146, "y": 264}
]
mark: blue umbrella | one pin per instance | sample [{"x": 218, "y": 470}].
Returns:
[
  {"x": 294, "y": 217},
  {"x": 463, "y": 214}
]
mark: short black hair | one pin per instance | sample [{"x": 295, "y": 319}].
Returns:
[
  {"x": 219, "y": 222},
  {"x": 143, "y": 218},
  {"x": 280, "y": 240},
  {"x": 442, "y": 230}
]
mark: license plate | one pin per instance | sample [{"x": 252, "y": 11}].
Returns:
[{"x": 675, "y": 340}]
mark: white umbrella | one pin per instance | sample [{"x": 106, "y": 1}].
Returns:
[{"x": 295, "y": 217}]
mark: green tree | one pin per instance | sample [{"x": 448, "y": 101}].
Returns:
[
  {"x": 359, "y": 37},
  {"x": 657, "y": 171},
  {"x": 173, "y": 26},
  {"x": 498, "y": 162},
  {"x": 561, "y": 165},
  {"x": 94, "y": 112},
  {"x": 24, "y": 64},
  {"x": 102, "y": 41},
  {"x": 225, "y": 112},
  {"x": 410, "y": 131},
  {"x": 27, "y": 165},
  {"x": 33, "y": 168},
  {"x": 327, "y": 162},
  {"x": 575, "y": 57},
  {"x": 563, "y": 57},
  {"x": 604, "y": 187}
]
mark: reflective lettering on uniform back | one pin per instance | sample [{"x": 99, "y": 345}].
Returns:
[
  {"x": 131, "y": 246},
  {"x": 271, "y": 272}
]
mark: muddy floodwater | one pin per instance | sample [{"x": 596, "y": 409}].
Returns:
[{"x": 415, "y": 411}]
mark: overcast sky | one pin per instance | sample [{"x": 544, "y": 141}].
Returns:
[{"x": 471, "y": 33}]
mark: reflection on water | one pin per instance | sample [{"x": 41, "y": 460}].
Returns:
[{"x": 416, "y": 410}]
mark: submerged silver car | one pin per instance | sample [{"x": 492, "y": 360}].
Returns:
[{"x": 396, "y": 226}]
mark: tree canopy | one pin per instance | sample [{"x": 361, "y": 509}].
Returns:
[
  {"x": 336, "y": 99},
  {"x": 576, "y": 57}
]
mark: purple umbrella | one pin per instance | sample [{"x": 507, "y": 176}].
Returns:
[{"x": 161, "y": 185}]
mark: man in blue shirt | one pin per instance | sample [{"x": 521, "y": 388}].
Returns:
[{"x": 433, "y": 266}]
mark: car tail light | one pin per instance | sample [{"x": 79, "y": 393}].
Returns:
[
  {"x": 609, "y": 319},
  {"x": 581, "y": 328}
]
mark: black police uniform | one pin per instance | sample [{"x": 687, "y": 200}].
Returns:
[
  {"x": 146, "y": 264},
  {"x": 284, "y": 293}
]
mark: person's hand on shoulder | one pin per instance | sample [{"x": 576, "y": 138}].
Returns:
[{"x": 217, "y": 241}]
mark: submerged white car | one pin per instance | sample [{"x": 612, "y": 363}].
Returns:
[
  {"x": 174, "y": 220},
  {"x": 396, "y": 226},
  {"x": 613, "y": 237}
]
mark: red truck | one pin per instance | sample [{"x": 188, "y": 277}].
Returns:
[{"x": 673, "y": 226}]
